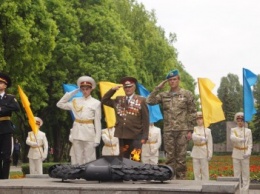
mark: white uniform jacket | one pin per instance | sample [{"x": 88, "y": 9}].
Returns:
[
  {"x": 40, "y": 151},
  {"x": 87, "y": 113},
  {"x": 111, "y": 143},
  {"x": 241, "y": 148},
  {"x": 200, "y": 147},
  {"x": 151, "y": 148}
]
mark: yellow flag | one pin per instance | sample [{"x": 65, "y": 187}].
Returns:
[
  {"x": 26, "y": 105},
  {"x": 110, "y": 112},
  {"x": 210, "y": 104}
]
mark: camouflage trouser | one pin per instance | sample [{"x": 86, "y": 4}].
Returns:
[{"x": 175, "y": 145}]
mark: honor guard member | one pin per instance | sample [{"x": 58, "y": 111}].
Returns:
[
  {"x": 72, "y": 154},
  {"x": 86, "y": 129},
  {"x": 241, "y": 138},
  {"x": 179, "y": 110},
  {"x": 202, "y": 149},
  {"x": 150, "y": 150},
  {"x": 38, "y": 148},
  {"x": 132, "y": 117},
  {"x": 111, "y": 143},
  {"x": 8, "y": 104}
]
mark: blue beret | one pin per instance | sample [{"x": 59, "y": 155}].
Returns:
[{"x": 172, "y": 73}]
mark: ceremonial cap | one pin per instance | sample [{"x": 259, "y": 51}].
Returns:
[
  {"x": 38, "y": 121},
  {"x": 239, "y": 115},
  {"x": 199, "y": 114},
  {"x": 128, "y": 81},
  {"x": 5, "y": 79},
  {"x": 86, "y": 81},
  {"x": 172, "y": 73}
]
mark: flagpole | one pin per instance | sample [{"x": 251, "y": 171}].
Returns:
[
  {"x": 37, "y": 143},
  {"x": 203, "y": 122},
  {"x": 110, "y": 140},
  {"x": 244, "y": 110}
]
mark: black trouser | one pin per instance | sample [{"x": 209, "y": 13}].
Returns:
[
  {"x": 16, "y": 155},
  {"x": 128, "y": 145},
  {"x": 5, "y": 154}
]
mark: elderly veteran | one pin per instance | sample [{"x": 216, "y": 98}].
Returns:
[
  {"x": 132, "y": 117},
  {"x": 86, "y": 129},
  {"x": 38, "y": 148},
  {"x": 241, "y": 137},
  {"x": 179, "y": 109},
  {"x": 8, "y": 104}
]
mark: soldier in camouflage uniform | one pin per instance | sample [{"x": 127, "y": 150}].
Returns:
[{"x": 179, "y": 110}]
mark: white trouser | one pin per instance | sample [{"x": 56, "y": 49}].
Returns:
[
  {"x": 84, "y": 151},
  {"x": 241, "y": 170},
  {"x": 35, "y": 166},
  {"x": 150, "y": 159},
  {"x": 72, "y": 156},
  {"x": 201, "y": 168}
]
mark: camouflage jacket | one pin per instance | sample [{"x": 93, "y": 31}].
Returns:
[{"x": 179, "y": 109}]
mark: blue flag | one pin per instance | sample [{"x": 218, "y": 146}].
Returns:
[
  {"x": 249, "y": 79},
  {"x": 69, "y": 88},
  {"x": 154, "y": 111}
]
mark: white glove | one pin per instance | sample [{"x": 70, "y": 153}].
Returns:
[
  {"x": 245, "y": 156},
  {"x": 72, "y": 93},
  {"x": 153, "y": 151},
  {"x": 34, "y": 144},
  {"x": 95, "y": 145},
  {"x": 70, "y": 138},
  {"x": 242, "y": 140},
  {"x": 209, "y": 158},
  {"x": 203, "y": 139}
]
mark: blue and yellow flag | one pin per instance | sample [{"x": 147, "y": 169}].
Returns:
[
  {"x": 26, "y": 104},
  {"x": 249, "y": 79},
  {"x": 211, "y": 105},
  {"x": 154, "y": 110},
  {"x": 69, "y": 88},
  {"x": 110, "y": 112}
]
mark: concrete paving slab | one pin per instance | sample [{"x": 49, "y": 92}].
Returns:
[
  {"x": 44, "y": 184},
  {"x": 50, "y": 185}
]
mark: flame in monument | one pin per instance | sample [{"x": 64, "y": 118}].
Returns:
[{"x": 136, "y": 155}]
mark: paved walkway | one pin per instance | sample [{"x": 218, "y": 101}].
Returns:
[
  {"x": 185, "y": 184},
  {"x": 15, "y": 169}
]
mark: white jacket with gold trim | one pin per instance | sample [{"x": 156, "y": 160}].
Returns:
[
  {"x": 241, "y": 148},
  {"x": 202, "y": 149},
  {"x": 40, "y": 151}
]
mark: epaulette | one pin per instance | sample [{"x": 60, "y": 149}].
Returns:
[{"x": 10, "y": 95}]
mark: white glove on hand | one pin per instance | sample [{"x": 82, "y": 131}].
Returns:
[
  {"x": 34, "y": 144},
  {"x": 209, "y": 158},
  {"x": 203, "y": 139},
  {"x": 72, "y": 93},
  {"x": 242, "y": 140},
  {"x": 245, "y": 156},
  {"x": 95, "y": 145},
  {"x": 153, "y": 151},
  {"x": 70, "y": 138}
]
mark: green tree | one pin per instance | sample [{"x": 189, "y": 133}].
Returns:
[
  {"x": 56, "y": 41},
  {"x": 27, "y": 39},
  {"x": 256, "y": 119},
  {"x": 230, "y": 93}
]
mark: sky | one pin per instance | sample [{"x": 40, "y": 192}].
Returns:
[{"x": 214, "y": 37}]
